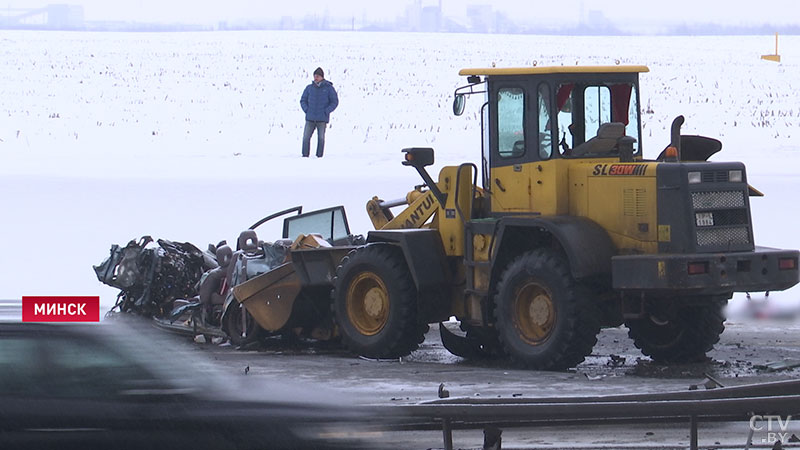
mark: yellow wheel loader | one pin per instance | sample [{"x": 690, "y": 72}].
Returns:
[{"x": 569, "y": 229}]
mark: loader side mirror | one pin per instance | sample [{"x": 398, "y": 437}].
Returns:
[
  {"x": 418, "y": 157},
  {"x": 458, "y": 104}
]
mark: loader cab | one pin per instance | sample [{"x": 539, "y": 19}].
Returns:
[{"x": 543, "y": 118}]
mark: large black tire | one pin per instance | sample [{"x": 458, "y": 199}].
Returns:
[
  {"x": 375, "y": 303},
  {"x": 233, "y": 325},
  {"x": 686, "y": 337},
  {"x": 543, "y": 321}
]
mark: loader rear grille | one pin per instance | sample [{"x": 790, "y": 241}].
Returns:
[
  {"x": 715, "y": 176},
  {"x": 718, "y": 199},
  {"x": 722, "y": 220},
  {"x": 723, "y": 236},
  {"x": 730, "y": 217}
]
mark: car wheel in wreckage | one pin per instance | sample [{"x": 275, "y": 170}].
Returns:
[
  {"x": 375, "y": 303},
  {"x": 241, "y": 327}
]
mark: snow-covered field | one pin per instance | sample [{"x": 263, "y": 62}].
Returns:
[{"x": 194, "y": 136}]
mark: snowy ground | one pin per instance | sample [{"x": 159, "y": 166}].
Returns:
[{"x": 194, "y": 136}]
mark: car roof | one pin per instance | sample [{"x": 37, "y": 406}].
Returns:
[
  {"x": 543, "y": 70},
  {"x": 171, "y": 359}
]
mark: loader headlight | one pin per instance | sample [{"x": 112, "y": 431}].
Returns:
[
  {"x": 695, "y": 177},
  {"x": 735, "y": 176}
]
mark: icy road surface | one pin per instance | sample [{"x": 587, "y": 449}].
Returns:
[{"x": 746, "y": 346}]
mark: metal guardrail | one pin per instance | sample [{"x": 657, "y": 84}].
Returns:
[
  {"x": 11, "y": 310},
  {"x": 725, "y": 404}
]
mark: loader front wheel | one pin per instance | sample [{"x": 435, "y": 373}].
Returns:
[
  {"x": 375, "y": 303},
  {"x": 542, "y": 318}
]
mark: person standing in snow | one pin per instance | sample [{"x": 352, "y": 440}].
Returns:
[{"x": 318, "y": 102}]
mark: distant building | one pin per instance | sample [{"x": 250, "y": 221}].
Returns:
[
  {"x": 431, "y": 19},
  {"x": 480, "y": 18},
  {"x": 64, "y": 16},
  {"x": 502, "y": 24},
  {"x": 598, "y": 22},
  {"x": 287, "y": 23},
  {"x": 312, "y": 22},
  {"x": 423, "y": 18},
  {"x": 51, "y": 17}
]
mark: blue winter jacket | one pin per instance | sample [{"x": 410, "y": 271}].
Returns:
[{"x": 318, "y": 102}]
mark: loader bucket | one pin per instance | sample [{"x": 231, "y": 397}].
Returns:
[{"x": 269, "y": 297}]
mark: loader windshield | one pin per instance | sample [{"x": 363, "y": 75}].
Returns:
[{"x": 511, "y": 122}]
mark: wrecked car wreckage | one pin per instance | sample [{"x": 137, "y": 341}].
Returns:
[
  {"x": 191, "y": 291},
  {"x": 149, "y": 279}
]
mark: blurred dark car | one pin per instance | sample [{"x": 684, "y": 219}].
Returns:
[{"x": 93, "y": 386}]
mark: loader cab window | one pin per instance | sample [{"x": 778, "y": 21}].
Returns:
[
  {"x": 511, "y": 122},
  {"x": 616, "y": 103},
  {"x": 486, "y": 142},
  {"x": 564, "y": 104},
  {"x": 596, "y": 109},
  {"x": 545, "y": 124},
  {"x": 588, "y": 113},
  {"x": 632, "y": 122}
]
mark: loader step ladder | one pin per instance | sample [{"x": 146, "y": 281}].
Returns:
[{"x": 473, "y": 227}]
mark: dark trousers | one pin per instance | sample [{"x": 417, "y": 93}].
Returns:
[{"x": 310, "y": 127}]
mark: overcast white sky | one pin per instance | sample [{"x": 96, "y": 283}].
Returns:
[{"x": 733, "y": 12}]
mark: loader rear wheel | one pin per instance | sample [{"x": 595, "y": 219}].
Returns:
[
  {"x": 375, "y": 303},
  {"x": 541, "y": 317},
  {"x": 685, "y": 337}
]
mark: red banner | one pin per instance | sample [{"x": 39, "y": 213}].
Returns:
[{"x": 60, "y": 309}]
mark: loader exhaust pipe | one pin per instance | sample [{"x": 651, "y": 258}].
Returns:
[{"x": 675, "y": 136}]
